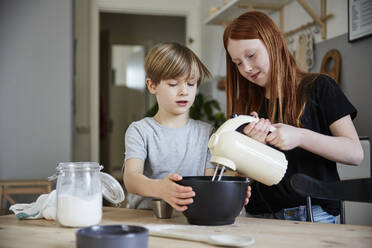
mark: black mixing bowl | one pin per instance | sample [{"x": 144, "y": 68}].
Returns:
[{"x": 215, "y": 203}]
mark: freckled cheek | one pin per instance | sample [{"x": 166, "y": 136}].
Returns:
[
  {"x": 266, "y": 65},
  {"x": 194, "y": 90},
  {"x": 166, "y": 98},
  {"x": 243, "y": 73},
  {"x": 192, "y": 99}
]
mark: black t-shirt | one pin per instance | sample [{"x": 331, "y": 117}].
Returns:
[{"x": 325, "y": 104}]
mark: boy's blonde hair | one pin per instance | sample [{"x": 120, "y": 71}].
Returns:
[{"x": 172, "y": 61}]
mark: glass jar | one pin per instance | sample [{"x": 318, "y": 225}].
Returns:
[{"x": 79, "y": 194}]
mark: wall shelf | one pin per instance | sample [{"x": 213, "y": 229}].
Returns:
[{"x": 237, "y": 7}]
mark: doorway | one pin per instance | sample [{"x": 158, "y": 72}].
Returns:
[{"x": 125, "y": 39}]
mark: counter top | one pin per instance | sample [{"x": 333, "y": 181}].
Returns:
[{"x": 267, "y": 233}]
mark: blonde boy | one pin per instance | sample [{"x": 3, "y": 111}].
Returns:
[{"x": 162, "y": 149}]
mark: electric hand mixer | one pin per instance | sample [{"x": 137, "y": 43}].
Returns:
[{"x": 240, "y": 153}]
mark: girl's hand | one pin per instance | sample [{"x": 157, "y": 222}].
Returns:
[
  {"x": 176, "y": 195},
  {"x": 257, "y": 130},
  {"x": 285, "y": 137}
]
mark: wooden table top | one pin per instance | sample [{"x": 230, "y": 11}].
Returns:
[{"x": 267, "y": 233}]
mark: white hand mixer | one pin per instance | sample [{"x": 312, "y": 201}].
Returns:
[{"x": 238, "y": 152}]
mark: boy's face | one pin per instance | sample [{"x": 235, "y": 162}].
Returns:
[{"x": 174, "y": 96}]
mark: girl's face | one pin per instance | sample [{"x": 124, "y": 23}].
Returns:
[
  {"x": 174, "y": 96},
  {"x": 251, "y": 59}
]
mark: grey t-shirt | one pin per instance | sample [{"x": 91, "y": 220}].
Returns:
[{"x": 166, "y": 150}]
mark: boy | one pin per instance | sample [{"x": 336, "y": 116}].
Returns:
[{"x": 160, "y": 149}]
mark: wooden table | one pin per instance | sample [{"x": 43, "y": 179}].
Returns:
[{"x": 267, "y": 233}]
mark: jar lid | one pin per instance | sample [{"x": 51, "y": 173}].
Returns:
[
  {"x": 74, "y": 166},
  {"x": 78, "y": 166},
  {"x": 111, "y": 189}
]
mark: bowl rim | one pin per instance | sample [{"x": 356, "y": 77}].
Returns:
[
  {"x": 237, "y": 179},
  {"x": 90, "y": 231}
]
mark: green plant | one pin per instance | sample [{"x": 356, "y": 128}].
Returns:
[{"x": 206, "y": 110}]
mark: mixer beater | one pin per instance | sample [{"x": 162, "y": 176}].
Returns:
[{"x": 221, "y": 173}]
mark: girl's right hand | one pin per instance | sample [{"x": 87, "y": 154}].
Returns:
[
  {"x": 258, "y": 130},
  {"x": 176, "y": 195}
]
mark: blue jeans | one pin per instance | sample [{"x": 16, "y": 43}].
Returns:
[{"x": 299, "y": 214}]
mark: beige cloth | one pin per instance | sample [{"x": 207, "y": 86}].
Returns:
[{"x": 44, "y": 207}]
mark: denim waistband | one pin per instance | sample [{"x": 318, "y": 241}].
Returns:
[{"x": 299, "y": 214}]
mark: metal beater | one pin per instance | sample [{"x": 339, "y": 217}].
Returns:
[{"x": 221, "y": 173}]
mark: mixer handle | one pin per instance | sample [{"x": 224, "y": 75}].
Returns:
[
  {"x": 233, "y": 124},
  {"x": 239, "y": 121}
]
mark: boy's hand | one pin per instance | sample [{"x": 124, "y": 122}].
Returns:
[
  {"x": 248, "y": 195},
  {"x": 248, "y": 189},
  {"x": 176, "y": 195}
]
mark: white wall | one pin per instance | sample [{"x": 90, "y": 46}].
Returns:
[
  {"x": 35, "y": 87},
  {"x": 296, "y": 16}
]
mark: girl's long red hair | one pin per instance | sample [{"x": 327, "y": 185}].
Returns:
[{"x": 243, "y": 96}]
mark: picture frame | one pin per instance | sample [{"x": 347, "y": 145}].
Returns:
[{"x": 359, "y": 19}]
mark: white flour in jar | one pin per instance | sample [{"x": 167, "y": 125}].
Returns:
[{"x": 76, "y": 212}]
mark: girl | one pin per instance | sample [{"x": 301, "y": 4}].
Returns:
[{"x": 313, "y": 117}]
